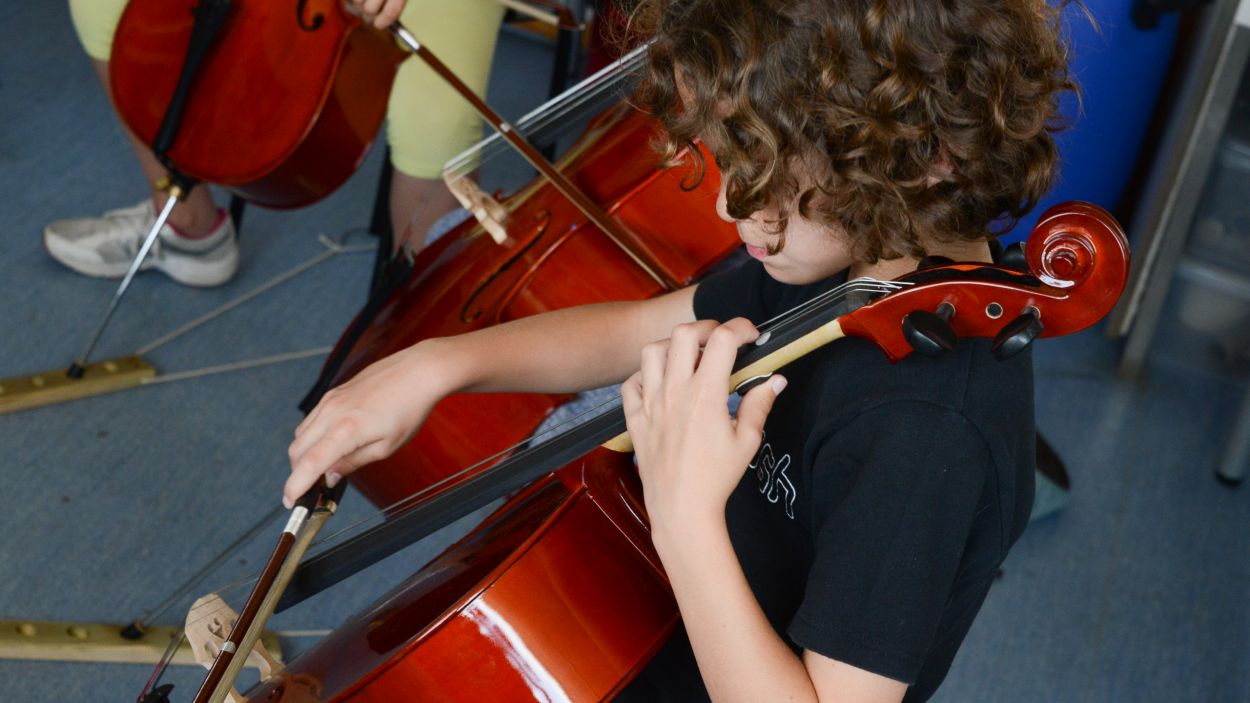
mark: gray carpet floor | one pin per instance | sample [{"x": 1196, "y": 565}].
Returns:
[{"x": 1136, "y": 591}]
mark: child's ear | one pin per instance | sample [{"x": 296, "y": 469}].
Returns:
[{"x": 941, "y": 169}]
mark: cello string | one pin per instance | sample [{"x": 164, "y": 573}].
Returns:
[
  {"x": 332, "y": 248},
  {"x": 495, "y": 147},
  {"x": 838, "y": 293},
  {"x": 859, "y": 285},
  {"x": 162, "y": 665},
  {"x": 570, "y": 100},
  {"x": 237, "y": 366},
  {"x": 834, "y": 296},
  {"x": 614, "y": 77},
  {"x": 551, "y": 112}
]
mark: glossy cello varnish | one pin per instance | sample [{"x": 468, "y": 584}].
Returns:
[
  {"x": 557, "y": 596},
  {"x": 555, "y": 259},
  {"x": 285, "y": 105}
]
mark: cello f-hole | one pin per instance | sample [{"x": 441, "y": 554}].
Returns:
[
  {"x": 305, "y": 23},
  {"x": 472, "y": 310}
]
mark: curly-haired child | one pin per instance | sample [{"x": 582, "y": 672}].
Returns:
[{"x": 834, "y": 542}]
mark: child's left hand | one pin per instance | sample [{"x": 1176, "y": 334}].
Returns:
[{"x": 691, "y": 453}]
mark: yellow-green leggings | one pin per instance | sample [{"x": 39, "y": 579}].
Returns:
[{"x": 427, "y": 122}]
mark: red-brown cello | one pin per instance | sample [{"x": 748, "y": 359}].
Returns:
[
  {"x": 315, "y": 81},
  {"x": 559, "y": 595},
  {"x": 303, "y": 85}
]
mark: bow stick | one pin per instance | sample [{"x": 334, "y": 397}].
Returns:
[{"x": 307, "y": 518}]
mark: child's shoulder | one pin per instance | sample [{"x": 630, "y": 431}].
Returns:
[{"x": 852, "y": 377}]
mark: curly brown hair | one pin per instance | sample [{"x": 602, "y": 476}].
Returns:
[{"x": 848, "y": 110}]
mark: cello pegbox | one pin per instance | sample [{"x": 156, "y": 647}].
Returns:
[
  {"x": 930, "y": 333},
  {"x": 1017, "y": 335}
]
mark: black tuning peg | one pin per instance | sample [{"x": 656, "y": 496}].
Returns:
[
  {"x": 1013, "y": 258},
  {"x": 930, "y": 333},
  {"x": 1016, "y": 335},
  {"x": 929, "y": 262}
]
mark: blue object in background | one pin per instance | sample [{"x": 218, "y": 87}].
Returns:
[{"x": 1120, "y": 70}]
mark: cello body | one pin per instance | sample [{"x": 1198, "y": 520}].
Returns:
[
  {"x": 558, "y": 596},
  {"x": 303, "y": 85}
]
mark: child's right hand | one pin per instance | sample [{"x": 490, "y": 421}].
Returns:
[{"x": 364, "y": 420}]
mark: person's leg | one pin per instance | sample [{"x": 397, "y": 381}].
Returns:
[
  {"x": 427, "y": 121},
  {"x": 419, "y": 202},
  {"x": 95, "y": 22},
  {"x": 197, "y": 215}
]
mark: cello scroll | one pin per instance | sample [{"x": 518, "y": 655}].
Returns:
[
  {"x": 1078, "y": 264},
  {"x": 1080, "y": 246}
]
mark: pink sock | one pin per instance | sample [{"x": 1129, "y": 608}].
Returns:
[{"x": 221, "y": 217}]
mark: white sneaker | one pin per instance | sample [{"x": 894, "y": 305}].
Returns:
[{"x": 105, "y": 247}]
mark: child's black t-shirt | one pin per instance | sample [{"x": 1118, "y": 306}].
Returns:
[{"x": 882, "y": 500}]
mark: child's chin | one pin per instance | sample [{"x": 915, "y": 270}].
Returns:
[{"x": 794, "y": 277}]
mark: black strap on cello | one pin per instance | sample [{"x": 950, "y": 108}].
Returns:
[
  {"x": 210, "y": 17},
  {"x": 387, "y": 279}
]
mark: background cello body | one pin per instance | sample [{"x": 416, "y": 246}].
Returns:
[
  {"x": 284, "y": 107},
  {"x": 558, "y": 596},
  {"x": 466, "y": 281}
]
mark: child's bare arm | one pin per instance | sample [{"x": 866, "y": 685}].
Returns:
[
  {"x": 369, "y": 417},
  {"x": 567, "y": 350},
  {"x": 691, "y": 457}
]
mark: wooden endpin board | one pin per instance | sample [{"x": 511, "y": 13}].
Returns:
[
  {"x": 96, "y": 642},
  {"x": 35, "y": 390}
]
